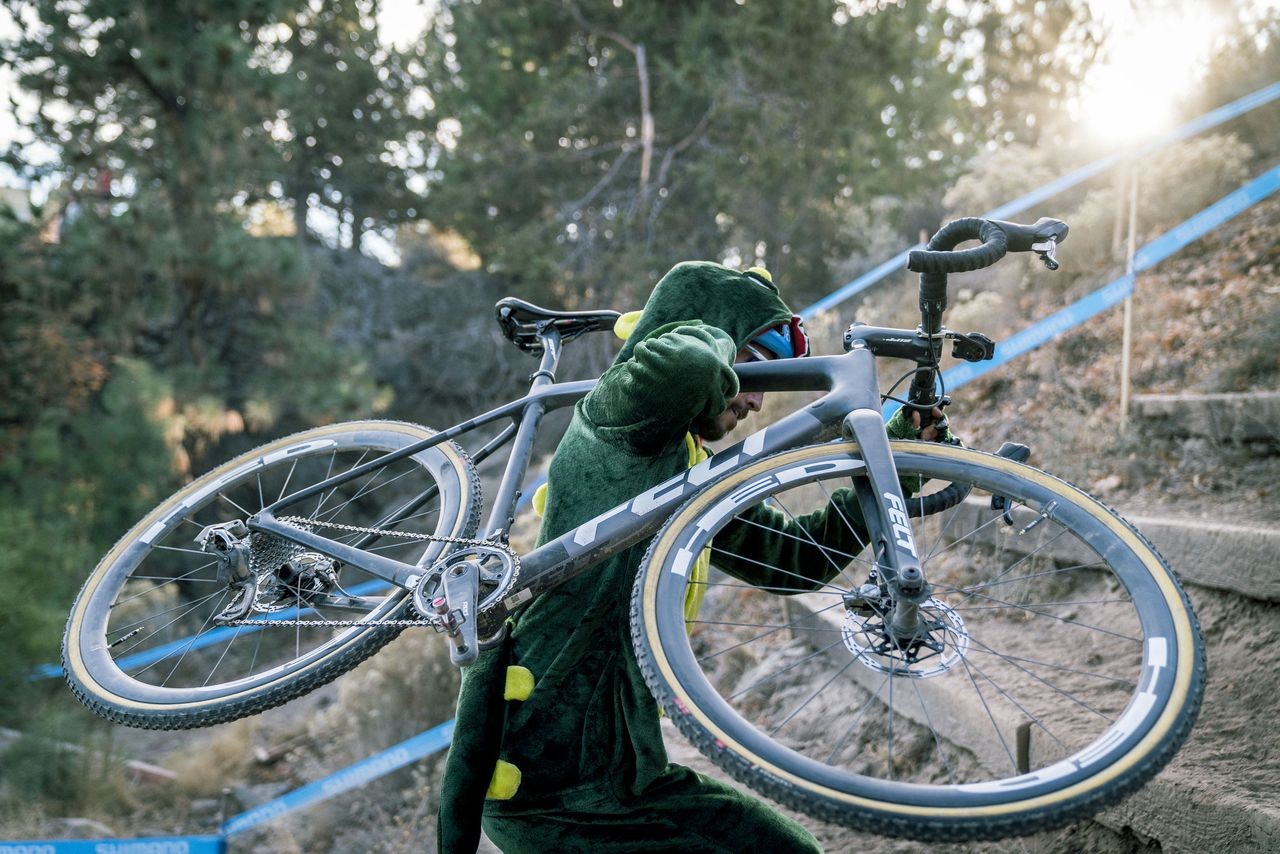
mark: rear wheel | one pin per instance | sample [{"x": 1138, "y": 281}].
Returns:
[
  {"x": 145, "y": 644},
  {"x": 1055, "y": 667}
]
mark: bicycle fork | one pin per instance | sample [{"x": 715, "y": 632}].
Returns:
[{"x": 896, "y": 556}]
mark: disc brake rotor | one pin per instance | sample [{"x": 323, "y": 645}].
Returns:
[{"x": 939, "y": 643}]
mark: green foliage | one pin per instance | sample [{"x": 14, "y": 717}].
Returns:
[
  {"x": 769, "y": 123},
  {"x": 144, "y": 326},
  {"x": 1253, "y": 360},
  {"x": 347, "y": 127}
]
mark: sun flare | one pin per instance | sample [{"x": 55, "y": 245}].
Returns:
[{"x": 1152, "y": 61}]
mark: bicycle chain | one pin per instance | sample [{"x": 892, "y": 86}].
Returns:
[{"x": 298, "y": 521}]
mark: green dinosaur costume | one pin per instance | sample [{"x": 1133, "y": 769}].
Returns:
[{"x": 581, "y": 763}]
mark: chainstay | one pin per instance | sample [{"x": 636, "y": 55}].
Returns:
[{"x": 298, "y": 521}]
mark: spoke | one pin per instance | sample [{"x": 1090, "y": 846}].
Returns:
[
  {"x": 435, "y": 510},
  {"x": 162, "y": 613},
  {"x": 193, "y": 607},
  {"x": 952, "y": 515},
  {"x": 891, "y": 683},
  {"x": 395, "y": 546},
  {"x": 223, "y": 496},
  {"x": 988, "y": 651},
  {"x": 862, "y": 546},
  {"x": 786, "y": 669},
  {"x": 937, "y": 740},
  {"x": 808, "y": 536},
  {"x": 776, "y": 532},
  {"x": 1021, "y": 708},
  {"x": 1048, "y": 684},
  {"x": 366, "y": 490},
  {"x": 994, "y": 725},
  {"x": 334, "y": 491},
  {"x": 212, "y": 613},
  {"x": 770, "y": 626},
  {"x": 168, "y": 579},
  {"x": 254, "y": 660},
  {"x": 262, "y": 501},
  {"x": 1026, "y": 557},
  {"x": 187, "y": 551},
  {"x": 782, "y": 590},
  {"x": 1056, "y": 617},
  {"x": 183, "y": 577},
  {"x": 759, "y": 636},
  {"x": 1039, "y": 605},
  {"x": 812, "y": 697},
  {"x": 972, "y": 587},
  {"x": 327, "y": 474},
  {"x": 778, "y": 569},
  {"x": 957, "y": 542},
  {"x": 218, "y": 663},
  {"x": 287, "y": 478},
  {"x": 854, "y": 723}
]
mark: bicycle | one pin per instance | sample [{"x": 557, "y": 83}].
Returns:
[{"x": 1040, "y": 659}]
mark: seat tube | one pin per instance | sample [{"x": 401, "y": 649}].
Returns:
[{"x": 502, "y": 514}]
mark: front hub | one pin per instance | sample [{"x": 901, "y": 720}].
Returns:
[{"x": 884, "y": 639}]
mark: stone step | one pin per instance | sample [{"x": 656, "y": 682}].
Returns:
[
  {"x": 1240, "y": 559},
  {"x": 1220, "y": 417},
  {"x": 1176, "y": 808}
]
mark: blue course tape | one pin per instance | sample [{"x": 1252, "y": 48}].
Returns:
[
  {"x": 150, "y": 845},
  {"x": 1149, "y": 255},
  {"x": 860, "y": 284},
  {"x": 359, "y": 774},
  {"x": 1211, "y": 119},
  {"x": 1207, "y": 220},
  {"x": 201, "y": 641}
]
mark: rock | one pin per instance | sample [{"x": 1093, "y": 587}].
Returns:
[
  {"x": 1107, "y": 484},
  {"x": 74, "y": 828},
  {"x": 248, "y": 797}
]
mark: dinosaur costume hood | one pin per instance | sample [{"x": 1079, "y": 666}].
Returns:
[{"x": 741, "y": 304}]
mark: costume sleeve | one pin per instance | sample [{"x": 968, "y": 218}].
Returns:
[
  {"x": 646, "y": 402},
  {"x": 768, "y": 547}
]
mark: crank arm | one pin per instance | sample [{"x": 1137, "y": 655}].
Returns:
[{"x": 461, "y": 592}]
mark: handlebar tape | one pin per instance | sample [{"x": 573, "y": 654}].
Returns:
[{"x": 939, "y": 257}]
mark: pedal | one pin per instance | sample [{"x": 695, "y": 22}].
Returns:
[
  {"x": 461, "y": 593},
  {"x": 1019, "y": 454}
]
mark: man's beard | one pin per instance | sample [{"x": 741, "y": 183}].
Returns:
[{"x": 711, "y": 428}]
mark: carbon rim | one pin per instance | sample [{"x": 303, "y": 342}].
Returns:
[
  {"x": 141, "y": 635},
  {"x": 938, "y": 767}
]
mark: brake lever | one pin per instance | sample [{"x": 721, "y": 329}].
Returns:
[{"x": 1047, "y": 250}]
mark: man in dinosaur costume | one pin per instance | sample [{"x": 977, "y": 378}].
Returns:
[{"x": 578, "y": 764}]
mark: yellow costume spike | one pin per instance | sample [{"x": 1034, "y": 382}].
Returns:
[
  {"x": 505, "y": 782},
  {"x": 762, "y": 273},
  {"x": 519, "y": 683},
  {"x": 627, "y": 324}
]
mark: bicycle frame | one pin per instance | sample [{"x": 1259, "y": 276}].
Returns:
[{"x": 851, "y": 404}]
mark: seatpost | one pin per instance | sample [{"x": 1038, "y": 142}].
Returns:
[{"x": 502, "y": 515}]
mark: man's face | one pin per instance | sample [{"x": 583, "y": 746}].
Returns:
[{"x": 738, "y": 408}]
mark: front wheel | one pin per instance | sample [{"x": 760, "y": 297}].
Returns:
[
  {"x": 151, "y": 640},
  {"x": 1054, "y": 668}
]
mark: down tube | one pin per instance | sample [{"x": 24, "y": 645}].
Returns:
[{"x": 627, "y": 524}]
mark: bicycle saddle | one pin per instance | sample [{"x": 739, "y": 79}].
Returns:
[{"x": 522, "y": 321}]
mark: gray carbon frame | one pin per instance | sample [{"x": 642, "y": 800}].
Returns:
[{"x": 851, "y": 404}]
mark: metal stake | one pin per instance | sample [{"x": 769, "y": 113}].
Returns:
[{"x": 1127, "y": 336}]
